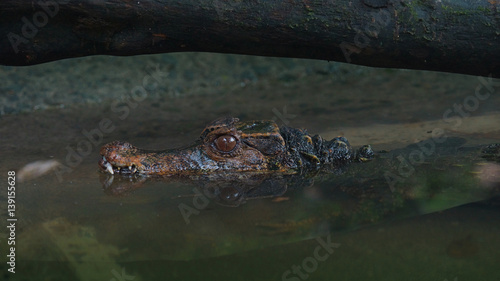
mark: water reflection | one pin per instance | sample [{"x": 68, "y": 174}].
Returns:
[
  {"x": 101, "y": 222},
  {"x": 394, "y": 217},
  {"x": 195, "y": 217},
  {"x": 227, "y": 189}
]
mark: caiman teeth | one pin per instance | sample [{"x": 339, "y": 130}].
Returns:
[{"x": 109, "y": 168}]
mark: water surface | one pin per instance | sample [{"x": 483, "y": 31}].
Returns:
[{"x": 439, "y": 222}]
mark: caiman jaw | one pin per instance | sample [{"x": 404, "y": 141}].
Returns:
[
  {"x": 112, "y": 169},
  {"x": 123, "y": 158},
  {"x": 120, "y": 158}
]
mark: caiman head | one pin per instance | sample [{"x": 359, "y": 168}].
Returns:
[{"x": 227, "y": 145}]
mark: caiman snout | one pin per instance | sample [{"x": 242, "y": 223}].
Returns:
[{"x": 120, "y": 157}]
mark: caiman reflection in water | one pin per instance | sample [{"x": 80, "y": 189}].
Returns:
[
  {"x": 235, "y": 161},
  {"x": 231, "y": 158}
]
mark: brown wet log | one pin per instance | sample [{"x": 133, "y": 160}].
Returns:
[{"x": 460, "y": 36}]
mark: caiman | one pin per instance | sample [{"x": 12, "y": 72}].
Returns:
[
  {"x": 234, "y": 162},
  {"x": 229, "y": 145}
]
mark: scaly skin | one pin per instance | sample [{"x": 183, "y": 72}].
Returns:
[{"x": 229, "y": 145}]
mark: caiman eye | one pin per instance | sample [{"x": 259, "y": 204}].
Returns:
[{"x": 225, "y": 143}]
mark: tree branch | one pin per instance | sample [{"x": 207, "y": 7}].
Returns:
[{"x": 460, "y": 36}]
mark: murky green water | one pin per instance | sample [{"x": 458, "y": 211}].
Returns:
[{"x": 430, "y": 218}]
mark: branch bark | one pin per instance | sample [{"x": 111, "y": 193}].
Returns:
[{"x": 460, "y": 36}]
